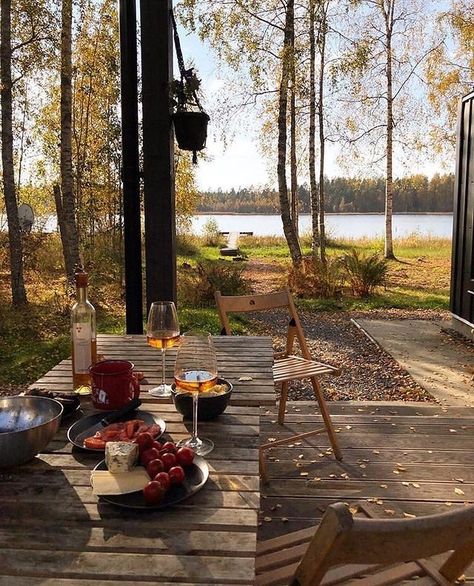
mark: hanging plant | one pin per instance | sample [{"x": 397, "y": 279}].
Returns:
[{"x": 189, "y": 119}]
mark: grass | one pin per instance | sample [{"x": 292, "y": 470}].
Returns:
[{"x": 34, "y": 339}]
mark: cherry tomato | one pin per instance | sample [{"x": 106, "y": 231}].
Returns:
[
  {"x": 185, "y": 456},
  {"x": 164, "y": 478},
  {"x": 176, "y": 475},
  {"x": 153, "y": 492},
  {"x": 157, "y": 445},
  {"x": 154, "y": 467},
  {"x": 169, "y": 447},
  {"x": 169, "y": 460},
  {"x": 144, "y": 441},
  {"x": 148, "y": 456}
]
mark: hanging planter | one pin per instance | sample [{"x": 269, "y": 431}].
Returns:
[
  {"x": 190, "y": 130},
  {"x": 189, "y": 119}
]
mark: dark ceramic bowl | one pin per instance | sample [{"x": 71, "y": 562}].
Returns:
[{"x": 208, "y": 407}]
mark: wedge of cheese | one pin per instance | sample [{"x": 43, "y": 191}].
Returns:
[
  {"x": 120, "y": 456},
  {"x": 105, "y": 483}
]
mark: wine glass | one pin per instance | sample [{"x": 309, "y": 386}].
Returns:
[
  {"x": 195, "y": 371},
  {"x": 162, "y": 332}
]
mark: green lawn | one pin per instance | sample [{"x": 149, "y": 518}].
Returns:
[{"x": 34, "y": 339}]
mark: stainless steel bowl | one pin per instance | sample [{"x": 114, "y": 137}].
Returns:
[{"x": 27, "y": 425}]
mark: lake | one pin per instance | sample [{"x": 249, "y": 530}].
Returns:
[{"x": 337, "y": 225}]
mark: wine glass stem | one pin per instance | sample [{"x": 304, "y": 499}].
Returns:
[
  {"x": 163, "y": 366},
  {"x": 195, "y": 415}
]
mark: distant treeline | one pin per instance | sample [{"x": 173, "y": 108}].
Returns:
[{"x": 416, "y": 193}]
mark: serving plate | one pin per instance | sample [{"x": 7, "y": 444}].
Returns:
[
  {"x": 195, "y": 478},
  {"x": 77, "y": 433}
]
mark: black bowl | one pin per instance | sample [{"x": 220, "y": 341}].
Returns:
[{"x": 209, "y": 407}]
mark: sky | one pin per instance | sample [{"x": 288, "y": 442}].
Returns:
[{"x": 239, "y": 163}]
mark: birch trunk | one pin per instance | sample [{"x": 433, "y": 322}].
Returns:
[
  {"x": 70, "y": 236},
  {"x": 9, "y": 192},
  {"x": 293, "y": 163},
  {"x": 322, "y": 137},
  {"x": 288, "y": 227},
  {"x": 388, "y": 14},
  {"x": 313, "y": 188}
]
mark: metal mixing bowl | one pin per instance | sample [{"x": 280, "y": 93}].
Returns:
[{"x": 27, "y": 425}]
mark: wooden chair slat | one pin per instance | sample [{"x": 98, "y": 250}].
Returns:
[
  {"x": 280, "y": 558},
  {"x": 288, "y": 540},
  {"x": 393, "y": 575},
  {"x": 342, "y": 574},
  {"x": 278, "y": 577}
]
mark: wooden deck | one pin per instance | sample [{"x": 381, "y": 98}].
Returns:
[{"x": 418, "y": 457}]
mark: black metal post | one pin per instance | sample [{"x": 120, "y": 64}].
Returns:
[
  {"x": 158, "y": 160},
  {"x": 130, "y": 167}
]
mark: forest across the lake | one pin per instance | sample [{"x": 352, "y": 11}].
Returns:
[{"x": 412, "y": 194}]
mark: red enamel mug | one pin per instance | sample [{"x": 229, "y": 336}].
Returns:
[{"x": 113, "y": 383}]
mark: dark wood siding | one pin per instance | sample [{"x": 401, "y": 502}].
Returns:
[{"x": 462, "y": 281}]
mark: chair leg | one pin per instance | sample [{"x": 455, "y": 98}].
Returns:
[
  {"x": 326, "y": 417},
  {"x": 282, "y": 404},
  {"x": 262, "y": 465}
]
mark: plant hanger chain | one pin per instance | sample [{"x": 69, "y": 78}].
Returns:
[{"x": 186, "y": 74}]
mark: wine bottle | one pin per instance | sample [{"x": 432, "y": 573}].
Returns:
[{"x": 83, "y": 335}]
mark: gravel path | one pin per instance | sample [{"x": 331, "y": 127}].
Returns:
[{"x": 368, "y": 373}]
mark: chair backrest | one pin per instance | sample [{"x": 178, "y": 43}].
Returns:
[
  {"x": 246, "y": 303},
  {"x": 344, "y": 539}
]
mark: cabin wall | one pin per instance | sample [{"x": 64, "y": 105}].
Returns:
[{"x": 462, "y": 276}]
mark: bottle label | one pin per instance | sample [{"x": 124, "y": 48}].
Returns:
[{"x": 81, "y": 340}]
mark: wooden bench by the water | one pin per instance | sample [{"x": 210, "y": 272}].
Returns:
[{"x": 232, "y": 248}]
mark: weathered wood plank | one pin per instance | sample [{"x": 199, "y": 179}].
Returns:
[
  {"x": 59, "y": 477},
  {"x": 206, "y": 518},
  {"x": 139, "y": 539},
  {"x": 136, "y": 566},
  {"x": 32, "y": 581},
  {"x": 381, "y": 441}
]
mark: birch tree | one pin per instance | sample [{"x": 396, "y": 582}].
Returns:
[
  {"x": 8, "y": 172},
  {"x": 387, "y": 48},
  {"x": 257, "y": 36},
  {"x": 25, "y": 35},
  {"x": 65, "y": 200},
  {"x": 449, "y": 72},
  {"x": 313, "y": 188}
]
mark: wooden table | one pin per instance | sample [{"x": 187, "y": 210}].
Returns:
[
  {"x": 237, "y": 357},
  {"x": 53, "y": 531}
]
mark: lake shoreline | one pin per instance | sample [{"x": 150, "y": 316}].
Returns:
[{"x": 270, "y": 214}]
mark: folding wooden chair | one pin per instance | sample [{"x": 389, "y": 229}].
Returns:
[
  {"x": 286, "y": 367},
  {"x": 374, "y": 552}
]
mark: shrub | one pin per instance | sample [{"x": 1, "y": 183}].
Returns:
[
  {"x": 364, "y": 272},
  {"x": 197, "y": 285},
  {"x": 186, "y": 245},
  {"x": 314, "y": 278},
  {"x": 43, "y": 252},
  {"x": 210, "y": 233}
]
